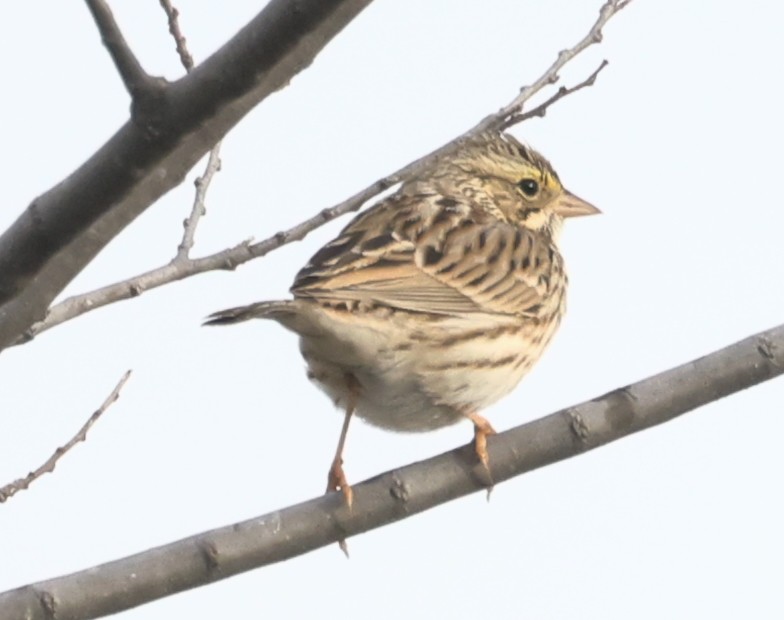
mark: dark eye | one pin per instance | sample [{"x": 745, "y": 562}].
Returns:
[{"x": 529, "y": 186}]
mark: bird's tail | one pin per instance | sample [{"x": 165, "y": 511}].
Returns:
[{"x": 260, "y": 310}]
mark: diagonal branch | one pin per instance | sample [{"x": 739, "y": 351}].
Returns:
[
  {"x": 564, "y": 91},
  {"x": 398, "y": 494},
  {"x": 137, "y": 82},
  {"x": 213, "y": 160},
  {"x": 610, "y": 8},
  {"x": 179, "y": 39},
  {"x": 62, "y": 230},
  {"x": 199, "y": 209},
  {"x": 243, "y": 252},
  {"x": 12, "y": 488}
]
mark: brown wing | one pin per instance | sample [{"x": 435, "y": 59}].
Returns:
[{"x": 426, "y": 253}]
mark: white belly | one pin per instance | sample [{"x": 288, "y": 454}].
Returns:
[{"x": 417, "y": 377}]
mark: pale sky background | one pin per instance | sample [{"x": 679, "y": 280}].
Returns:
[{"x": 679, "y": 143}]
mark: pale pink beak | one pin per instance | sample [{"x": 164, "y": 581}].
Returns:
[{"x": 569, "y": 205}]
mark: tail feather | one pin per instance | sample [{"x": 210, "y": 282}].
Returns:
[{"x": 259, "y": 310}]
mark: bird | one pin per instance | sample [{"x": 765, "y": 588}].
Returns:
[{"x": 434, "y": 303}]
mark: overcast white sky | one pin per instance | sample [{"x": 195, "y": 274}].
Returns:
[{"x": 679, "y": 143}]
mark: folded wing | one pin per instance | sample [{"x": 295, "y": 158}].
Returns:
[{"x": 439, "y": 261}]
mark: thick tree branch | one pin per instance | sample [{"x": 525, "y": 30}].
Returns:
[
  {"x": 63, "y": 230},
  {"x": 232, "y": 257},
  {"x": 398, "y": 494},
  {"x": 21, "y": 484}
]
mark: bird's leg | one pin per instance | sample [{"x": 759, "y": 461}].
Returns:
[
  {"x": 336, "y": 479},
  {"x": 482, "y": 428}
]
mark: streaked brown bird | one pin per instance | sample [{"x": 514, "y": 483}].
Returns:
[{"x": 435, "y": 302}]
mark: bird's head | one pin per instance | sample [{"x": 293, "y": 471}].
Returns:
[{"x": 512, "y": 182}]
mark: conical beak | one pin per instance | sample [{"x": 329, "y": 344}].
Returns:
[{"x": 569, "y": 205}]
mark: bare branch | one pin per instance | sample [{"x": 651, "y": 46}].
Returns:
[
  {"x": 246, "y": 251},
  {"x": 610, "y": 8},
  {"x": 62, "y": 230},
  {"x": 137, "y": 82},
  {"x": 398, "y": 494},
  {"x": 213, "y": 161},
  {"x": 202, "y": 184},
  {"x": 179, "y": 39},
  {"x": 21, "y": 484},
  {"x": 562, "y": 92}
]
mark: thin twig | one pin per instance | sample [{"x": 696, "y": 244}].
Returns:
[
  {"x": 21, "y": 484},
  {"x": 610, "y": 8},
  {"x": 136, "y": 80},
  {"x": 179, "y": 39},
  {"x": 190, "y": 224},
  {"x": 562, "y": 92},
  {"x": 202, "y": 183},
  {"x": 246, "y": 251}
]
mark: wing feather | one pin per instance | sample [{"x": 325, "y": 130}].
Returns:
[{"x": 411, "y": 253}]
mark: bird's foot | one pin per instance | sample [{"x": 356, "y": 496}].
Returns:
[
  {"x": 336, "y": 481},
  {"x": 482, "y": 430}
]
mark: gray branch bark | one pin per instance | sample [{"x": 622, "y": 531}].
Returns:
[
  {"x": 398, "y": 494},
  {"x": 62, "y": 230}
]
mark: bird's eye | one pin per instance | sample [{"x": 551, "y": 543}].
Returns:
[{"x": 529, "y": 187}]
